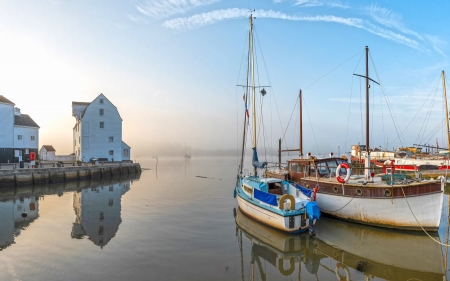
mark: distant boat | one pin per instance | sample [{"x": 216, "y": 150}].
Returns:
[
  {"x": 274, "y": 202},
  {"x": 186, "y": 155}
]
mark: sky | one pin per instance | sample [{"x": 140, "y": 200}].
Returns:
[{"x": 172, "y": 70}]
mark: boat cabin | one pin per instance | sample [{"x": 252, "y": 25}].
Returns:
[{"x": 313, "y": 167}]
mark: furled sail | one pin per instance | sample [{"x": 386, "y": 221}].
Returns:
[{"x": 255, "y": 161}]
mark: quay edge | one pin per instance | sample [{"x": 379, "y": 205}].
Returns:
[{"x": 29, "y": 176}]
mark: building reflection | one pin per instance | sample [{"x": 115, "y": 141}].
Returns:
[
  {"x": 341, "y": 250},
  {"x": 97, "y": 210},
  {"x": 15, "y": 216}
]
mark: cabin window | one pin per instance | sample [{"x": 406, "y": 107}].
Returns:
[
  {"x": 322, "y": 168},
  {"x": 312, "y": 169},
  {"x": 19, "y": 137},
  {"x": 102, "y": 125},
  {"x": 111, "y": 139},
  {"x": 102, "y": 111}
]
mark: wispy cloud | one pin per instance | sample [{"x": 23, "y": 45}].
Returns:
[
  {"x": 437, "y": 43},
  {"x": 390, "y": 19},
  {"x": 319, "y": 3},
  {"x": 137, "y": 19},
  {"x": 165, "y": 8},
  {"x": 212, "y": 17}
]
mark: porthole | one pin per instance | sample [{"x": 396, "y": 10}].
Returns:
[
  {"x": 387, "y": 192},
  {"x": 335, "y": 189},
  {"x": 358, "y": 191}
]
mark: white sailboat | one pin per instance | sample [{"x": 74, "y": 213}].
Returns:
[{"x": 271, "y": 201}]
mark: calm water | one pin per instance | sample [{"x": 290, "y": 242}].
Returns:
[{"x": 181, "y": 224}]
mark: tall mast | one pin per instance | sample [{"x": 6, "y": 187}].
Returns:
[
  {"x": 301, "y": 125},
  {"x": 367, "y": 100},
  {"x": 446, "y": 109},
  {"x": 253, "y": 87}
]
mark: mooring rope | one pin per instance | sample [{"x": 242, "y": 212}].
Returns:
[
  {"x": 341, "y": 207},
  {"x": 439, "y": 242}
]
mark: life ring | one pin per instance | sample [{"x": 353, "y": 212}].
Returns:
[
  {"x": 338, "y": 172},
  {"x": 347, "y": 273},
  {"x": 291, "y": 268},
  {"x": 393, "y": 166},
  {"x": 284, "y": 197}
]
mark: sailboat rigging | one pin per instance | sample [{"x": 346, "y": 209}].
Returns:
[{"x": 271, "y": 201}]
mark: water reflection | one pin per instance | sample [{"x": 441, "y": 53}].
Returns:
[
  {"x": 340, "y": 250},
  {"x": 97, "y": 206},
  {"x": 16, "y": 215},
  {"x": 97, "y": 211}
]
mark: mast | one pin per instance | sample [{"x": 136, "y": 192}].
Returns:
[
  {"x": 367, "y": 101},
  {"x": 253, "y": 87},
  {"x": 301, "y": 125},
  {"x": 446, "y": 109}
]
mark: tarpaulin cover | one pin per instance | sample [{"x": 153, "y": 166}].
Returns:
[
  {"x": 255, "y": 161},
  {"x": 313, "y": 211},
  {"x": 265, "y": 197},
  {"x": 304, "y": 190}
]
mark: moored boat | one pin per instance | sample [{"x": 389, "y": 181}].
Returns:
[
  {"x": 274, "y": 202},
  {"x": 412, "y": 204}
]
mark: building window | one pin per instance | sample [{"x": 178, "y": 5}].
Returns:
[
  {"x": 101, "y": 101},
  {"x": 102, "y": 111},
  {"x": 111, "y": 139},
  {"x": 111, "y": 152},
  {"x": 19, "y": 137},
  {"x": 102, "y": 125},
  {"x": 125, "y": 152},
  {"x": 27, "y": 151},
  {"x": 32, "y": 138}
]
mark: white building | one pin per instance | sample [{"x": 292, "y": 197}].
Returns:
[
  {"x": 19, "y": 134},
  {"x": 97, "y": 133},
  {"x": 47, "y": 152}
]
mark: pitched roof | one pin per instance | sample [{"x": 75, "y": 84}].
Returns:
[
  {"x": 49, "y": 147},
  {"x": 89, "y": 103},
  {"x": 5, "y": 100},
  {"x": 24, "y": 120},
  {"x": 80, "y": 103}
]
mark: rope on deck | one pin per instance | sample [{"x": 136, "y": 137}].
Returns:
[{"x": 439, "y": 242}]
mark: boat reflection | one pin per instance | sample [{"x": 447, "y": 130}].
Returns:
[
  {"x": 283, "y": 251},
  {"x": 97, "y": 211},
  {"x": 339, "y": 251},
  {"x": 369, "y": 252}
]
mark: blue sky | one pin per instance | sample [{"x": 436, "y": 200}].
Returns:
[{"x": 171, "y": 68}]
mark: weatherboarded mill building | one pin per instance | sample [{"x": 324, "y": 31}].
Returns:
[
  {"x": 19, "y": 134},
  {"x": 97, "y": 133}
]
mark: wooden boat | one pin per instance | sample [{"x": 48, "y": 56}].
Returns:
[
  {"x": 406, "y": 204},
  {"x": 274, "y": 202}
]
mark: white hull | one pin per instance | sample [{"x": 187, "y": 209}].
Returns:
[
  {"x": 269, "y": 218},
  {"x": 389, "y": 212}
]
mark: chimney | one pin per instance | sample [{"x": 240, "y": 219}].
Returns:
[{"x": 16, "y": 111}]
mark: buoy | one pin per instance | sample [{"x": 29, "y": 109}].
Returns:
[{"x": 338, "y": 172}]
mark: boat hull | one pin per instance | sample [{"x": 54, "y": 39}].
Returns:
[{"x": 270, "y": 218}]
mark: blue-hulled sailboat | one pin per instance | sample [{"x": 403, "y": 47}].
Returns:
[{"x": 274, "y": 202}]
